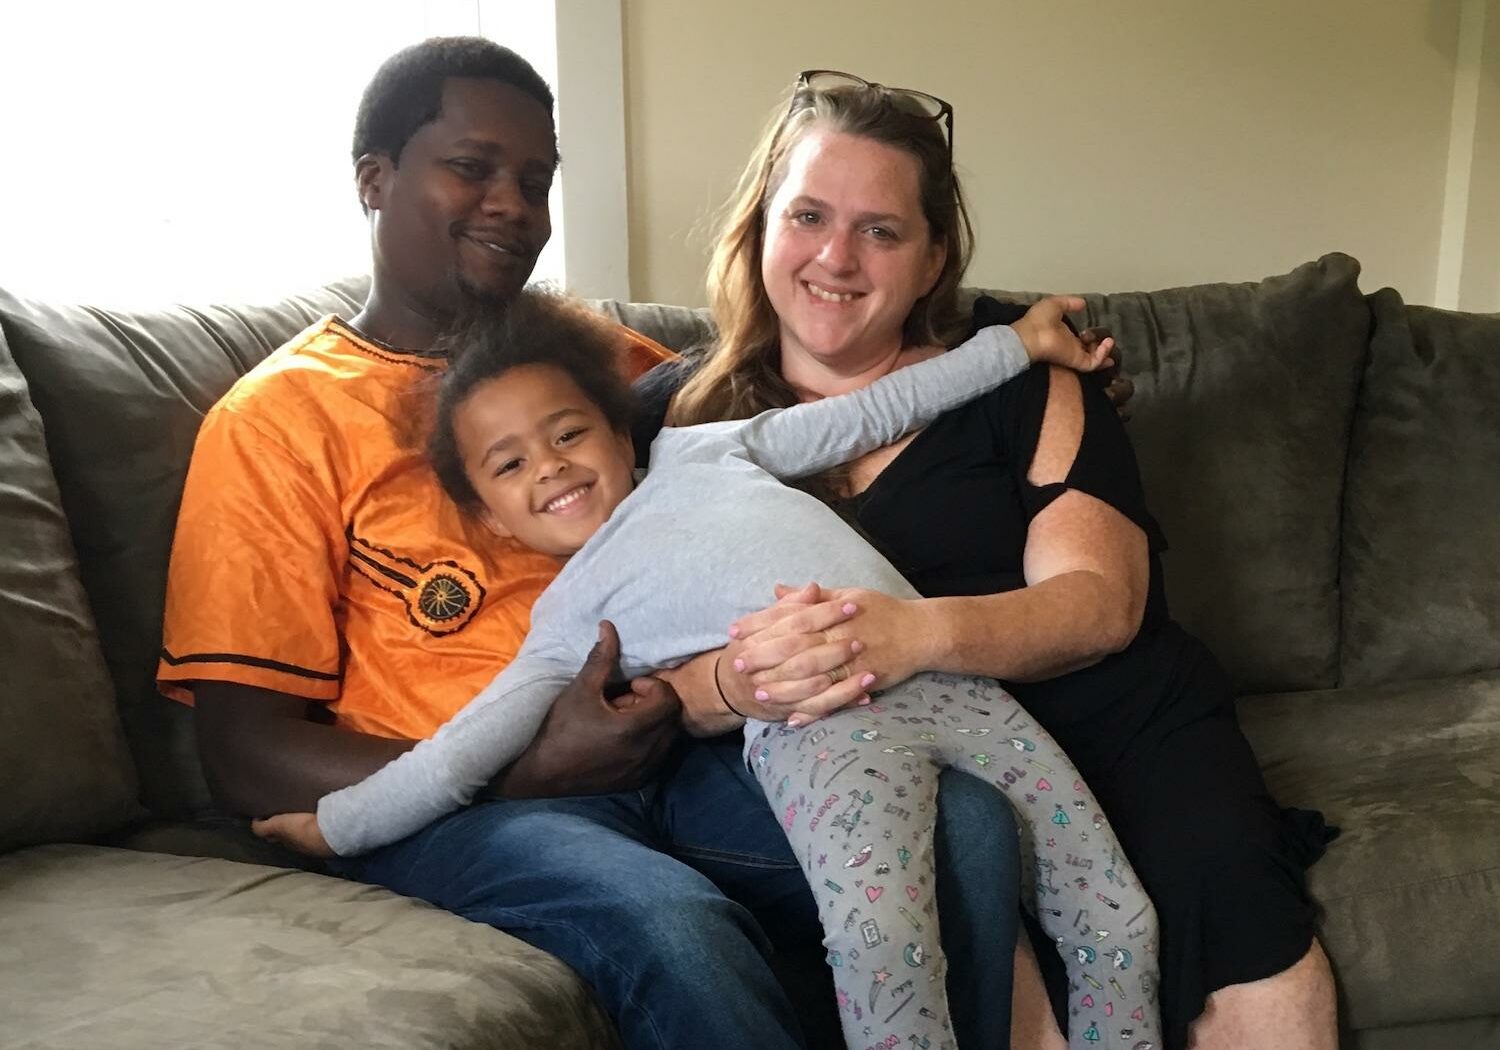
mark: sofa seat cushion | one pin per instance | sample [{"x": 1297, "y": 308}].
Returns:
[
  {"x": 117, "y": 949},
  {"x": 1411, "y": 890}
]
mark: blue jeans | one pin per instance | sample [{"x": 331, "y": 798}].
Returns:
[{"x": 668, "y": 901}]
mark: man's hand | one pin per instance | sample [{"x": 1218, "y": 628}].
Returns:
[
  {"x": 1117, "y": 387},
  {"x": 591, "y": 745},
  {"x": 298, "y": 831}
]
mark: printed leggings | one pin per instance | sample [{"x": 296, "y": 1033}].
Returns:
[{"x": 856, "y": 794}]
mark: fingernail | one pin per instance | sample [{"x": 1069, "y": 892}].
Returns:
[
  {"x": 734, "y": 631},
  {"x": 850, "y": 608},
  {"x": 795, "y": 722},
  {"x": 864, "y": 701},
  {"x": 856, "y": 646},
  {"x": 867, "y": 681},
  {"x": 762, "y": 695},
  {"x": 739, "y": 665}
]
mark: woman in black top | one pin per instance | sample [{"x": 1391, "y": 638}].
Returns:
[{"x": 1020, "y": 518}]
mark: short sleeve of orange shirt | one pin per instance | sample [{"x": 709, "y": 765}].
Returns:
[{"x": 317, "y": 555}]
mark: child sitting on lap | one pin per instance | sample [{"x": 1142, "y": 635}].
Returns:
[{"x": 532, "y": 436}]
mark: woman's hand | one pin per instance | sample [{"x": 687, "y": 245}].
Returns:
[
  {"x": 716, "y": 700},
  {"x": 298, "y": 831},
  {"x": 819, "y": 650},
  {"x": 1048, "y": 339}
]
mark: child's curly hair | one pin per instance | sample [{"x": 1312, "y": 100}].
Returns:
[{"x": 537, "y": 328}]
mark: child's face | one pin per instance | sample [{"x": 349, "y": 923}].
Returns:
[{"x": 542, "y": 458}]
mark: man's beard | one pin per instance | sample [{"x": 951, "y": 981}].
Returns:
[{"x": 476, "y": 305}]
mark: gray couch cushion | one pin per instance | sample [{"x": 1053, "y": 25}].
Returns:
[
  {"x": 674, "y": 327},
  {"x": 1241, "y": 420},
  {"x": 1422, "y": 507},
  {"x": 64, "y": 770},
  {"x": 1411, "y": 889},
  {"x": 1472, "y": 1033},
  {"x": 122, "y": 395},
  {"x": 106, "y": 949}
]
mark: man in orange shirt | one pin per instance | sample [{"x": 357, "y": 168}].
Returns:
[
  {"x": 316, "y": 556},
  {"x": 327, "y": 606}
]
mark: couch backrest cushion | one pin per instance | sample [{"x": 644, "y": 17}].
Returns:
[
  {"x": 122, "y": 395},
  {"x": 677, "y": 328},
  {"x": 1244, "y": 395},
  {"x": 65, "y": 773},
  {"x": 1422, "y": 511}
]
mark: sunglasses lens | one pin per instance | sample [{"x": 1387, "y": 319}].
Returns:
[
  {"x": 918, "y": 103},
  {"x": 829, "y": 80}
]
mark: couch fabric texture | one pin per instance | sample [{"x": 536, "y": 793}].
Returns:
[
  {"x": 1325, "y": 465},
  {"x": 54, "y": 688},
  {"x": 209, "y": 954},
  {"x": 1420, "y": 593},
  {"x": 122, "y": 404}
]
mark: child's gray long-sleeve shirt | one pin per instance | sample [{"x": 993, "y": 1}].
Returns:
[{"x": 701, "y": 541}]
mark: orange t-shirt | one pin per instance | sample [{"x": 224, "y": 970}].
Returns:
[{"x": 316, "y": 554}]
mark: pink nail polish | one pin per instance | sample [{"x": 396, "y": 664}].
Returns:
[
  {"x": 856, "y": 646},
  {"x": 867, "y": 681},
  {"x": 795, "y": 721},
  {"x": 734, "y": 631},
  {"x": 762, "y": 695},
  {"x": 739, "y": 665},
  {"x": 850, "y": 608},
  {"x": 864, "y": 701}
]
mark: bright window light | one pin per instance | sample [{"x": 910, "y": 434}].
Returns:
[{"x": 172, "y": 151}]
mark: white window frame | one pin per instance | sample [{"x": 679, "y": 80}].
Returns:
[{"x": 584, "y": 62}]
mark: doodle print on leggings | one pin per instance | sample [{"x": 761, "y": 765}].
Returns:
[{"x": 857, "y": 797}]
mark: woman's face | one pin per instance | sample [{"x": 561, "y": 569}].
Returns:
[{"x": 847, "y": 251}]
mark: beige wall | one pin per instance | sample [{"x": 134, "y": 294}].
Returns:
[
  {"x": 1479, "y": 281},
  {"x": 1107, "y": 145}
]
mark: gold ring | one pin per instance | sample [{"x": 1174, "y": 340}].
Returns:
[{"x": 838, "y": 674}]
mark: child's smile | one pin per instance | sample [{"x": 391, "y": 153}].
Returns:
[{"x": 547, "y": 465}]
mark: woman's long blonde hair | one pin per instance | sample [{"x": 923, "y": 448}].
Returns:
[{"x": 741, "y": 375}]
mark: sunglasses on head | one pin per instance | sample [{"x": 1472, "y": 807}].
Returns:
[{"x": 916, "y": 103}]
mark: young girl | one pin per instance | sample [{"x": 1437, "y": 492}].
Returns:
[{"x": 532, "y": 435}]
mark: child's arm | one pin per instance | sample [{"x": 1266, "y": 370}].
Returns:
[
  {"x": 805, "y": 439},
  {"x": 444, "y": 773}
]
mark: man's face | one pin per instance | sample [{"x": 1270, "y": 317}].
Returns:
[{"x": 464, "y": 214}]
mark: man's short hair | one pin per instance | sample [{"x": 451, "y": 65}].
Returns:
[{"x": 407, "y": 91}]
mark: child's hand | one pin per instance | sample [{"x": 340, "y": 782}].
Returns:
[
  {"x": 1047, "y": 339},
  {"x": 298, "y": 831}
]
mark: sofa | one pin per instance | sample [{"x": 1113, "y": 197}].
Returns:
[{"x": 1326, "y": 466}]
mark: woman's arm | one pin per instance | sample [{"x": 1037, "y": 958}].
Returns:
[
  {"x": 1087, "y": 573},
  {"x": 817, "y": 435}
]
